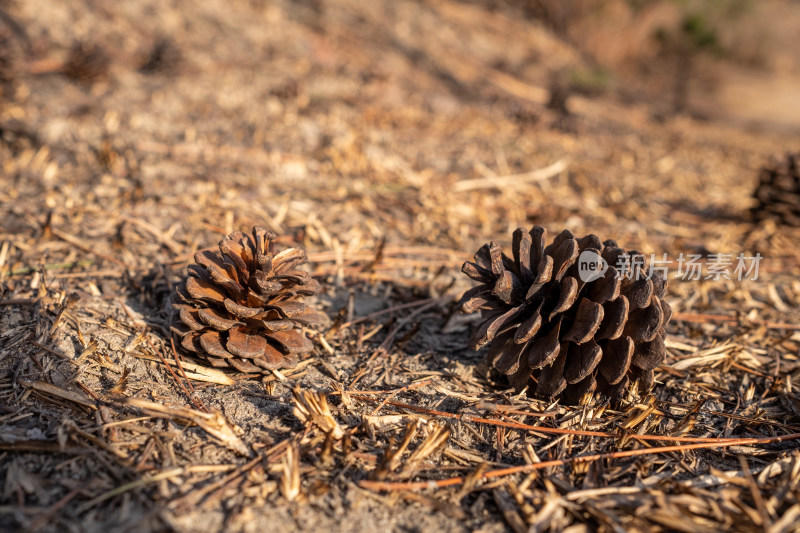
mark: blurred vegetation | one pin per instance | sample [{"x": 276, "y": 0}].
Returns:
[
  {"x": 661, "y": 41},
  {"x": 696, "y": 32},
  {"x": 589, "y": 81}
]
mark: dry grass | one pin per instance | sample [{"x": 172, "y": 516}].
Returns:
[{"x": 391, "y": 157}]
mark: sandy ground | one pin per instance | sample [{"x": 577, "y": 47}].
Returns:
[{"x": 391, "y": 140}]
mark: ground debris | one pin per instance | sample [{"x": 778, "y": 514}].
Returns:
[{"x": 389, "y": 147}]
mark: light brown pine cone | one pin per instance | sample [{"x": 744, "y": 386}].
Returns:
[{"x": 242, "y": 307}]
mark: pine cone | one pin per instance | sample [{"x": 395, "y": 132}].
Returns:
[
  {"x": 778, "y": 191},
  {"x": 243, "y": 307},
  {"x": 549, "y": 329}
]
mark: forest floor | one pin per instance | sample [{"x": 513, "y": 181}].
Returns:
[{"x": 390, "y": 139}]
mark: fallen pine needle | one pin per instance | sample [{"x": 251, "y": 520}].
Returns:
[
  {"x": 152, "y": 478},
  {"x": 449, "y": 482},
  {"x": 214, "y": 423},
  {"x": 706, "y": 319},
  {"x": 544, "y": 429}
]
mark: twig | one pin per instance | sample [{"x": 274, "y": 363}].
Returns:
[
  {"x": 756, "y": 493},
  {"x": 53, "y": 266},
  {"x": 539, "y": 429},
  {"x": 382, "y": 349},
  {"x": 147, "y": 479},
  {"x": 74, "y": 241},
  {"x": 449, "y": 482},
  {"x": 45, "y": 517},
  {"x": 501, "y": 182},
  {"x": 406, "y": 319},
  {"x": 706, "y": 319},
  {"x": 392, "y": 309},
  {"x": 55, "y": 352},
  {"x": 194, "y": 498}
]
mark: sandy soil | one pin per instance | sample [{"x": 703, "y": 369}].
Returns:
[{"x": 390, "y": 139}]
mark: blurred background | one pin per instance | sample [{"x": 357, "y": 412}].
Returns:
[
  {"x": 390, "y": 138},
  {"x": 437, "y": 122}
]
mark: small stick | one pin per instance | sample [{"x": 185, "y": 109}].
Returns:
[
  {"x": 55, "y": 352},
  {"x": 143, "y": 332},
  {"x": 541, "y": 429},
  {"x": 74, "y": 241},
  {"x": 398, "y": 391},
  {"x": 756, "y": 493},
  {"x": 501, "y": 182},
  {"x": 449, "y": 482},
  {"x": 392, "y": 309},
  {"x": 197, "y": 403},
  {"x": 45, "y": 517},
  {"x": 392, "y": 334},
  {"x": 705, "y": 319}
]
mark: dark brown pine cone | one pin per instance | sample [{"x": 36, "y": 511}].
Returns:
[
  {"x": 242, "y": 307},
  {"x": 549, "y": 329},
  {"x": 778, "y": 191}
]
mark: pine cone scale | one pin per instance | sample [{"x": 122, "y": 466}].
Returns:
[
  {"x": 309, "y": 317},
  {"x": 581, "y": 361},
  {"x": 615, "y": 314},
  {"x": 529, "y": 327},
  {"x": 240, "y": 311},
  {"x": 637, "y": 292},
  {"x": 215, "y": 319},
  {"x": 292, "y": 341},
  {"x": 648, "y": 354},
  {"x": 241, "y": 344},
  {"x": 508, "y": 362},
  {"x": 190, "y": 319},
  {"x": 564, "y": 257},
  {"x": 201, "y": 289},
  {"x": 543, "y": 352},
  {"x": 551, "y": 378},
  {"x": 607, "y": 288},
  {"x": 273, "y": 358},
  {"x": 190, "y": 343},
  {"x": 216, "y": 271},
  {"x": 487, "y": 331},
  {"x": 587, "y": 321},
  {"x": 277, "y": 325},
  {"x": 616, "y": 359},
  {"x": 544, "y": 270},
  {"x": 521, "y": 247},
  {"x": 212, "y": 344},
  {"x": 567, "y": 297}
]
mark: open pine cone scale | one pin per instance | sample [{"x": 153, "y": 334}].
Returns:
[
  {"x": 550, "y": 330},
  {"x": 243, "y": 308}
]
